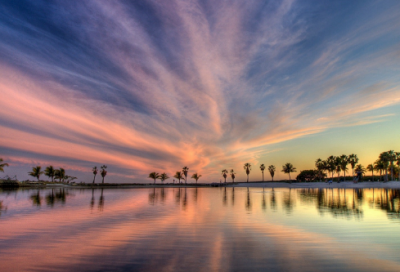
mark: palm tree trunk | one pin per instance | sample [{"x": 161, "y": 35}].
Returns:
[
  {"x": 103, "y": 180},
  {"x": 263, "y": 175},
  {"x": 289, "y": 177},
  {"x": 391, "y": 168},
  {"x": 94, "y": 178},
  {"x": 247, "y": 177}
]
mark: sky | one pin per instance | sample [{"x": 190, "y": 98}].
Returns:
[{"x": 144, "y": 86}]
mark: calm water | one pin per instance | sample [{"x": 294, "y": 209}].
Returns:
[{"x": 205, "y": 229}]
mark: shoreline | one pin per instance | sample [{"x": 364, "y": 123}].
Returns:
[{"x": 300, "y": 185}]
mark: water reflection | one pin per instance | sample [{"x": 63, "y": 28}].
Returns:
[
  {"x": 334, "y": 201},
  {"x": 101, "y": 201},
  {"x": 248, "y": 200},
  {"x": 389, "y": 201},
  {"x": 214, "y": 229}
]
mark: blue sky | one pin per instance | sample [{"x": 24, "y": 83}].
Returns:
[{"x": 157, "y": 85}]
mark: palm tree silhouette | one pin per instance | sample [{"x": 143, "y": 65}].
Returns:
[
  {"x": 2, "y": 165},
  {"x": 103, "y": 172},
  {"x": 272, "y": 170},
  {"x": 384, "y": 157},
  {"x": 288, "y": 168},
  {"x": 331, "y": 164},
  {"x": 154, "y": 176},
  {"x": 392, "y": 156},
  {"x": 94, "y": 171},
  {"x": 36, "y": 172},
  {"x": 379, "y": 166},
  {"x": 50, "y": 171},
  {"x": 353, "y": 160},
  {"x": 247, "y": 167},
  {"x": 262, "y": 168},
  {"x": 196, "y": 177},
  {"x": 163, "y": 177},
  {"x": 320, "y": 167},
  {"x": 185, "y": 171},
  {"x": 60, "y": 174},
  {"x": 370, "y": 168},
  {"x": 225, "y": 174},
  {"x": 338, "y": 165},
  {"x": 179, "y": 176},
  {"x": 233, "y": 175},
  {"x": 344, "y": 161}
]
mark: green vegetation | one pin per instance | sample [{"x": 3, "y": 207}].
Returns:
[{"x": 310, "y": 175}]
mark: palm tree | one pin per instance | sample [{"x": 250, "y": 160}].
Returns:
[
  {"x": 331, "y": 164},
  {"x": 272, "y": 170},
  {"x": 320, "y": 167},
  {"x": 392, "y": 156},
  {"x": 103, "y": 172},
  {"x": 370, "y": 168},
  {"x": 343, "y": 164},
  {"x": 36, "y": 172},
  {"x": 163, "y": 177},
  {"x": 154, "y": 175},
  {"x": 225, "y": 174},
  {"x": 185, "y": 171},
  {"x": 247, "y": 167},
  {"x": 179, "y": 176},
  {"x": 398, "y": 162},
  {"x": 49, "y": 171},
  {"x": 60, "y": 174},
  {"x": 262, "y": 168},
  {"x": 379, "y": 166},
  {"x": 360, "y": 168},
  {"x": 2, "y": 165},
  {"x": 94, "y": 170},
  {"x": 196, "y": 177},
  {"x": 353, "y": 160},
  {"x": 385, "y": 158},
  {"x": 233, "y": 175},
  {"x": 338, "y": 163},
  {"x": 288, "y": 168}
]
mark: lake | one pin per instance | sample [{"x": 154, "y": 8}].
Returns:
[{"x": 203, "y": 229}]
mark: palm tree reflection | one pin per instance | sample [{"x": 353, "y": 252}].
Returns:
[
  {"x": 101, "y": 201},
  {"x": 263, "y": 202},
  {"x": 92, "y": 200},
  {"x": 248, "y": 200},
  {"x": 36, "y": 199},
  {"x": 327, "y": 201},
  {"x": 50, "y": 198},
  {"x": 273, "y": 200},
  {"x": 224, "y": 199},
  {"x": 389, "y": 201},
  {"x": 233, "y": 196}
]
